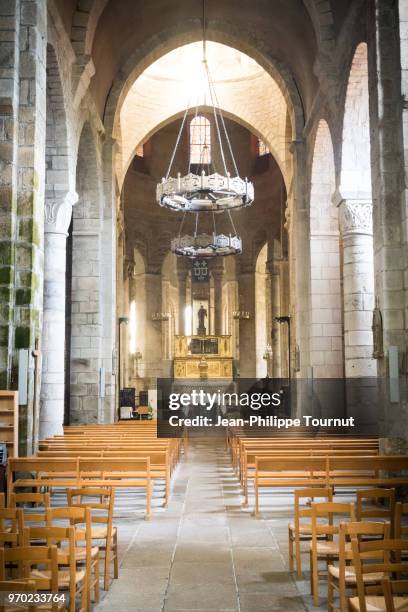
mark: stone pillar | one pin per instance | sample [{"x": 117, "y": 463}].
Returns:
[
  {"x": 298, "y": 225},
  {"x": 275, "y": 330},
  {"x": 182, "y": 294},
  {"x": 153, "y": 351},
  {"x": 285, "y": 306},
  {"x": 22, "y": 141},
  {"x": 57, "y": 220},
  {"x": 247, "y": 335},
  {"x": 218, "y": 273},
  {"x": 358, "y": 286}
]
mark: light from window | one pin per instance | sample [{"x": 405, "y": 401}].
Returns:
[
  {"x": 188, "y": 321},
  {"x": 200, "y": 140},
  {"x": 139, "y": 151},
  {"x": 262, "y": 148},
  {"x": 132, "y": 328}
]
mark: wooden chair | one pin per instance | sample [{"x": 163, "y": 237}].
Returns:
[
  {"x": 34, "y": 506},
  {"x": 392, "y": 587},
  {"x": 343, "y": 576},
  {"x": 329, "y": 549},
  {"x": 302, "y": 531},
  {"x": 16, "y": 586},
  {"x": 373, "y": 598},
  {"x": 28, "y": 558},
  {"x": 87, "y": 555},
  {"x": 11, "y": 525},
  {"x": 374, "y": 510},
  {"x": 72, "y": 579},
  {"x": 102, "y": 504},
  {"x": 400, "y": 529}
]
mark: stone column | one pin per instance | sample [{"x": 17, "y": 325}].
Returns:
[
  {"x": 275, "y": 299},
  {"x": 153, "y": 351},
  {"x": 247, "y": 336},
  {"x": 57, "y": 220},
  {"x": 182, "y": 294},
  {"x": 356, "y": 228},
  {"x": 298, "y": 226},
  {"x": 218, "y": 273}
]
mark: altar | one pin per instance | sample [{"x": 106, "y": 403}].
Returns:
[{"x": 205, "y": 357}]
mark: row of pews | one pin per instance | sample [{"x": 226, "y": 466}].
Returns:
[{"x": 359, "y": 546}]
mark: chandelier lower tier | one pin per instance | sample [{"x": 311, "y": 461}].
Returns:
[
  {"x": 204, "y": 193},
  {"x": 206, "y": 245}
]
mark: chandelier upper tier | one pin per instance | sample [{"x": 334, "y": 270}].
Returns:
[
  {"x": 204, "y": 192},
  {"x": 205, "y": 188}
]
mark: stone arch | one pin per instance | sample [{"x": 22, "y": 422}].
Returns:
[
  {"x": 228, "y": 115},
  {"x": 355, "y": 212},
  {"x": 86, "y": 303},
  {"x": 224, "y": 33},
  {"x": 323, "y": 23},
  {"x": 355, "y": 158},
  {"x": 59, "y": 199},
  {"x": 217, "y": 31},
  {"x": 326, "y": 343}
]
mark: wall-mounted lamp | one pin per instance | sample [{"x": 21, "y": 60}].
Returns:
[
  {"x": 160, "y": 316},
  {"x": 241, "y": 315}
]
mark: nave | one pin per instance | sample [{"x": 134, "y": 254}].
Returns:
[{"x": 206, "y": 551}]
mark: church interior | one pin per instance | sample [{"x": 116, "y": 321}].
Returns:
[{"x": 202, "y": 194}]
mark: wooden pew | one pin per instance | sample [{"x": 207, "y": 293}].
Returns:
[
  {"x": 350, "y": 471},
  {"x": 247, "y": 472},
  {"x": 160, "y": 465},
  {"x": 64, "y": 472}
]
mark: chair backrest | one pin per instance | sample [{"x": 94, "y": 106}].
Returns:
[
  {"x": 54, "y": 536},
  {"x": 376, "y": 495},
  {"x": 100, "y": 500},
  {"x": 11, "y": 525},
  {"x": 359, "y": 530},
  {"x": 390, "y": 549},
  {"x": 328, "y": 510},
  {"x": 325, "y": 493},
  {"x": 14, "y": 587},
  {"x": 400, "y": 529},
  {"x": 73, "y": 515},
  {"x": 33, "y": 505},
  {"x": 28, "y": 557}
]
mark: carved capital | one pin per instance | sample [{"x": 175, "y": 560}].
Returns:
[
  {"x": 356, "y": 217},
  {"x": 58, "y": 213}
]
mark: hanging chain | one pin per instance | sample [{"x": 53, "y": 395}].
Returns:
[
  {"x": 211, "y": 82},
  {"x": 215, "y": 118},
  {"x": 177, "y": 141},
  {"x": 181, "y": 224},
  {"x": 232, "y": 223}
]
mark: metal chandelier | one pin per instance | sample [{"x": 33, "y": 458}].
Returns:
[{"x": 208, "y": 191}]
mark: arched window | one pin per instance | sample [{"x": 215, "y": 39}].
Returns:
[
  {"x": 262, "y": 148},
  {"x": 200, "y": 140}
]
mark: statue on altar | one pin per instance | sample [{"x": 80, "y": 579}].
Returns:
[{"x": 202, "y": 314}]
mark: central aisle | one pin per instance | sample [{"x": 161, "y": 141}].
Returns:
[{"x": 204, "y": 552}]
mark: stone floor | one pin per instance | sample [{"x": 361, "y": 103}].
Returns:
[{"x": 205, "y": 552}]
